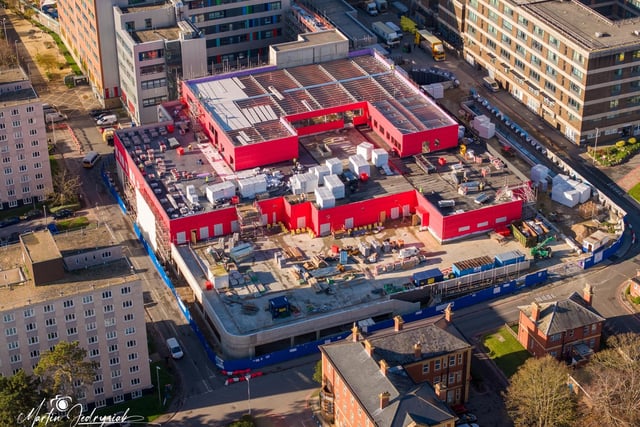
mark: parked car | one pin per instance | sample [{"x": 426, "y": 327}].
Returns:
[
  {"x": 32, "y": 214},
  {"x": 55, "y": 117},
  {"x": 62, "y": 213},
  {"x": 97, "y": 113},
  {"x": 12, "y": 220},
  {"x": 107, "y": 120}
]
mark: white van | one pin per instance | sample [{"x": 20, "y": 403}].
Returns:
[
  {"x": 54, "y": 117},
  {"x": 174, "y": 348},
  {"x": 108, "y": 120},
  {"x": 395, "y": 28},
  {"x": 490, "y": 84}
]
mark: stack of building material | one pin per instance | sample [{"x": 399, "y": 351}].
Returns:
[
  {"x": 304, "y": 183},
  {"x": 539, "y": 174},
  {"x": 584, "y": 190},
  {"x": 324, "y": 198},
  {"x": 483, "y": 125},
  {"x": 358, "y": 165},
  {"x": 379, "y": 157},
  {"x": 223, "y": 190},
  {"x": 508, "y": 258},
  {"x": 364, "y": 149},
  {"x": 563, "y": 191},
  {"x": 335, "y": 165},
  {"x": 321, "y": 171},
  {"x": 249, "y": 187},
  {"x": 333, "y": 183}
]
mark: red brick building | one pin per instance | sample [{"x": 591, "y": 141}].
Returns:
[
  {"x": 409, "y": 372},
  {"x": 568, "y": 330}
]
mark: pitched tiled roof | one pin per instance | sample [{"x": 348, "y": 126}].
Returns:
[
  {"x": 559, "y": 316},
  {"x": 407, "y": 402}
]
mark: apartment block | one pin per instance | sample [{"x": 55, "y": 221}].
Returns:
[
  {"x": 154, "y": 51},
  {"x": 575, "y": 65},
  {"x": 237, "y": 33},
  {"x": 417, "y": 371},
  {"x": 64, "y": 288},
  {"x": 26, "y": 173}
]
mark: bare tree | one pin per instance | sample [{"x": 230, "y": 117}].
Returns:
[
  {"x": 539, "y": 396},
  {"x": 614, "y": 382},
  {"x": 65, "y": 188}
]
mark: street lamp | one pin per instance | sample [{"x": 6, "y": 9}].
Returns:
[
  {"x": 4, "y": 27},
  {"x": 248, "y": 378},
  {"x": 595, "y": 147},
  {"x": 17, "y": 53},
  {"x": 158, "y": 381}
]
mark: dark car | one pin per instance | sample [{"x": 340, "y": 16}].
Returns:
[
  {"x": 12, "y": 220},
  {"x": 96, "y": 113},
  {"x": 32, "y": 214},
  {"x": 62, "y": 213}
]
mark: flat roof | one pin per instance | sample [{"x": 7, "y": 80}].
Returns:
[
  {"x": 344, "y": 17},
  {"x": 40, "y": 246},
  {"x": 15, "y": 77},
  {"x": 249, "y": 107},
  {"x": 17, "y": 288},
  {"x": 584, "y": 25},
  {"x": 311, "y": 39},
  {"x": 169, "y": 33}
]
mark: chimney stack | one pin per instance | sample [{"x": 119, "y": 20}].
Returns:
[
  {"x": 535, "y": 311},
  {"x": 384, "y": 367},
  {"x": 587, "y": 294},
  {"x": 355, "y": 332},
  {"x": 384, "y": 399},
  {"x": 448, "y": 313},
  {"x": 441, "y": 391},
  {"x": 398, "y": 322},
  {"x": 417, "y": 350},
  {"x": 368, "y": 348}
]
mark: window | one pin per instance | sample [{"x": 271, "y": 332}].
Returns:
[
  {"x": 94, "y": 352},
  {"x": 128, "y": 317},
  {"x": 118, "y": 399},
  {"x": 116, "y": 386},
  {"x": 68, "y": 303},
  {"x": 507, "y": 10},
  {"x": 92, "y": 339},
  {"x": 70, "y": 317},
  {"x": 91, "y": 326},
  {"x": 518, "y": 64},
  {"x": 109, "y": 322},
  {"x": 34, "y": 340},
  {"x": 125, "y": 290},
  {"x": 577, "y": 72},
  {"x": 523, "y": 21},
  {"x": 133, "y": 356},
  {"x": 106, "y": 294},
  {"x": 29, "y": 312},
  {"x": 89, "y": 312},
  {"x": 127, "y": 304},
  {"x": 72, "y": 331},
  {"x": 459, "y": 358},
  {"x": 134, "y": 381},
  {"x": 98, "y": 390},
  {"x": 115, "y": 373},
  {"x": 113, "y": 347},
  {"x": 130, "y": 330},
  {"x": 52, "y": 336},
  {"x": 87, "y": 299},
  {"x": 10, "y": 332},
  {"x": 138, "y": 393},
  {"x": 48, "y": 308},
  {"x": 594, "y": 328},
  {"x": 135, "y": 368},
  {"x": 452, "y": 360},
  {"x": 12, "y": 345},
  {"x": 114, "y": 361},
  {"x": 131, "y": 343},
  {"x": 538, "y": 31},
  {"x": 30, "y": 327},
  {"x": 452, "y": 378},
  {"x": 50, "y": 322},
  {"x": 108, "y": 308},
  {"x": 15, "y": 358},
  {"x": 112, "y": 335},
  {"x": 436, "y": 365},
  {"x": 520, "y": 51},
  {"x": 556, "y": 337}
]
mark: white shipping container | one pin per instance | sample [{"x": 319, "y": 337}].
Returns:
[
  {"x": 260, "y": 183},
  {"x": 379, "y": 157},
  {"x": 247, "y": 188},
  {"x": 584, "y": 192},
  {"x": 333, "y": 183},
  {"x": 324, "y": 198},
  {"x": 364, "y": 149},
  {"x": 321, "y": 171},
  {"x": 358, "y": 165},
  {"x": 335, "y": 165}
]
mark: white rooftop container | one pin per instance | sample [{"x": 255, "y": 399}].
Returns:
[
  {"x": 304, "y": 183},
  {"x": 334, "y": 164},
  {"x": 379, "y": 157},
  {"x": 321, "y": 171},
  {"x": 223, "y": 190},
  {"x": 358, "y": 165},
  {"x": 324, "y": 198},
  {"x": 333, "y": 183},
  {"x": 364, "y": 149}
]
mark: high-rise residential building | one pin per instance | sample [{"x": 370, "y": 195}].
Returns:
[
  {"x": 237, "y": 33},
  {"x": 64, "y": 288},
  {"x": 577, "y": 66},
  {"x": 26, "y": 173},
  {"x": 153, "y": 51}
]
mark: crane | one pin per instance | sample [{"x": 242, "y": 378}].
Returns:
[{"x": 541, "y": 251}]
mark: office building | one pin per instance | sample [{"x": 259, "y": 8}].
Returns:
[
  {"x": 576, "y": 66},
  {"x": 64, "y": 288},
  {"x": 237, "y": 34},
  {"x": 26, "y": 177}
]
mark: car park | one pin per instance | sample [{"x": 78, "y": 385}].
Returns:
[{"x": 62, "y": 213}]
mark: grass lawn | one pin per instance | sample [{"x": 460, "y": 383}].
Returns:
[
  {"x": 71, "y": 223},
  {"x": 505, "y": 351},
  {"x": 635, "y": 192},
  {"x": 148, "y": 405}
]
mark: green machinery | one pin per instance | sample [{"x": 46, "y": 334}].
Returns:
[{"x": 541, "y": 250}]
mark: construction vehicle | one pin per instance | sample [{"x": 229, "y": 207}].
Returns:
[
  {"x": 430, "y": 43},
  {"x": 541, "y": 250}
]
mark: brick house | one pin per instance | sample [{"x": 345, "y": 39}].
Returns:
[
  {"x": 403, "y": 376},
  {"x": 568, "y": 329}
]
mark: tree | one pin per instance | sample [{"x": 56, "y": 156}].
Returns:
[
  {"x": 539, "y": 395},
  {"x": 65, "y": 188},
  {"x": 18, "y": 396},
  {"x": 614, "y": 382},
  {"x": 317, "y": 372},
  {"x": 63, "y": 366}
]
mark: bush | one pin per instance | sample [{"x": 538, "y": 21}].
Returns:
[{"x": 620, "y": 144}]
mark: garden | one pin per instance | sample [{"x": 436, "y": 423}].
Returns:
[{"x": 612, "y": 155}]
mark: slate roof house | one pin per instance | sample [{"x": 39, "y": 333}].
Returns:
[
  {"x": 400, "y": 377},
  {"x": 568, "y": 329}
]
